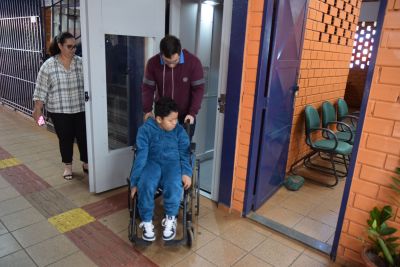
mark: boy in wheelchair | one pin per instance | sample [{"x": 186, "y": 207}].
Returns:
[{"x": 162, "y": 160}]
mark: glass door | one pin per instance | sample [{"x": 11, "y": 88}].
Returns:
[{"x": 117, "y": 39}]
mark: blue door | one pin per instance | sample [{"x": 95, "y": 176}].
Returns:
[{"x": 274, "y": 102}]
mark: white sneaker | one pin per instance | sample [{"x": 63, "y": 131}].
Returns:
[
  {"x": 169, "y": 224},
  {"x": 148, "y": 231}
]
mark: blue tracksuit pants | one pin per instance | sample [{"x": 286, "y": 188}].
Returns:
[{"x": 164, "y": 174}]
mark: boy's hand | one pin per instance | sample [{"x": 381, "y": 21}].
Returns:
[
  {"x": 187, "y": 181},
  {"x": 133, "y": 191}
]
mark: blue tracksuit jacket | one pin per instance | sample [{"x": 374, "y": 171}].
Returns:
[{"x": 162, "y": 157}]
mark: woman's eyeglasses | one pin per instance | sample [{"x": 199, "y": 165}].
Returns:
[{"x": 71, "y": 47}]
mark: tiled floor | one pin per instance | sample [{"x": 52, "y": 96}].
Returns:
[
  {"x": 313, "y": 210},
  {"x": 27, "y": 238}
]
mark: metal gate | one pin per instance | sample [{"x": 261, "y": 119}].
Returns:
[
  {"x": 26, "y": 29},
  {"x": 21, "y": 51}
]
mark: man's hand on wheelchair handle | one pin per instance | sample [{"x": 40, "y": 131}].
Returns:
[
  {"x": 187, "y": 181},
  {"x": 133, "y": 191},
  {"x": 189, "y": 118}
]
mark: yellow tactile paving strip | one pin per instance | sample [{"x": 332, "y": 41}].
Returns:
[
  {"x": 71, "y": 220},
  {"x": 10, "y": 162}
]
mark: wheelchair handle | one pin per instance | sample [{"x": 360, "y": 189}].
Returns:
[{"x": 187, "y": 126}]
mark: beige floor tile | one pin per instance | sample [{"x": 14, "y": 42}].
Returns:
[
  {"x": 194, "y": 260},
  {"x": 324, "y": 215},
  {"x": 35, "y": 233},
  {"x": 202, "y": 237},
  {"x": 78, "y": 259},
  {"x": 51, "y": 250},
  {"x": 17, "y": 259},
  {"x": 22, "y": 219},
  {"x": 217, "y": 222},
  {"x": 8, "y": 245},
  {"x": 8, "y": 193},
  {"x": 318, "y": 256},
  {"x": 315, "y": 229},
  {"x": 304, "y": 260},
  {"x": 13, "y": 205},
  {"x": 299, "y": 204},
  {"x": 296, "y": 245},
  {"x": 117, "y": 221},
  {"x": 3, "y": 229},
  {"x": 221, "y": 252},
  {"x": 275, "y": 253},
  {"x": 3, "y": 183},
  {"x": 251, "y": 261},
  {"x": 282, "y": 215},
  {"x": 243, "y": 237},
  {"x": 164, "y": 256}
]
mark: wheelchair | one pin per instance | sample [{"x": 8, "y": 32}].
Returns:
[{"x": 189, "y": 207}]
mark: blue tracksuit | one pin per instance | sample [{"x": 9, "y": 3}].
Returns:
[{"x": 162, "y": 158}]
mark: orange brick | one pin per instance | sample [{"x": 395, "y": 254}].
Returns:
[
  {"x": 396, "y": 5},
  {"x": 367, "y": 204},
  {"x": 392, "y": 19},
  {"x": 241, "y": 173},
  {"x": 358, "y": 230},
  {"x": 389, "y": 93},
  {"x": 387, "y": 194},
  {"x": 393, "y": 39},
  {"x": 396, "y": 130},
  {"x": 388, "y": 57},
  {"x": 353, "y": 256},
  {"x": 254, "y": 34},
  {"x": 240, "y": 184},
  {"x": 392, "y": 162},
  {"x": 372, "y": 158},
  {"x": 244, "y": 139},
  {"x": 256, "y": 5},
  {"x": 365, "y": 188},
  {"x": 349, "y": 241},
  {"x": 248, "y": 101},
  {"x": 340, "y": 4},
  {"x": 238, "y": 195},
  {"x": 327, "y": 19},
  {"x": 253, "y": 47},
  {"x": 256, "y": 19},
  {"x": 251, "y": 75},
  {"x": 378, "y": 126},
  {"x": 387, "y": 110},
  {"x": 375, "y": 175},
  {"x": 243, "y": 150},
  {"x": 252, "y": 62},
  {"x": 242, "y": 161},
  {"x": 345, "y": 227},
  {"x": 237, "y": 205},
  {"x": 384, "y": 144}
]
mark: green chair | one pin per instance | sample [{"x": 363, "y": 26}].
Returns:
[
  {"x": 343, "y": 114},
  {"x": 344, "y": 131},
  {"x": 330, "y": 145}
]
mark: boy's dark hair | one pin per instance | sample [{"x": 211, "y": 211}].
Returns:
[
  {"x": 164, "y": 106},
  {"x": 170, "y": 45},
  {"x": 59, "y": 39}
]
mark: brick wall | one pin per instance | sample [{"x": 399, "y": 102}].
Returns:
[
  {"x": 379, "y": 152},
  {"x": 328, "y": 44},
  {"x": 252, "y": 45}
]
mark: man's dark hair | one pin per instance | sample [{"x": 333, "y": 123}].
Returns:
[
  {"x": 164, "y": 106},
  {"x": 170, "y": 45}
]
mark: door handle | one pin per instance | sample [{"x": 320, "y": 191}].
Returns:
[{"x": 86, "y": 96}]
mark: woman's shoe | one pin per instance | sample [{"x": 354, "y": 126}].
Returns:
[
  {"x": 85, "y": 168},
  {"x": 68, "y": 171}
]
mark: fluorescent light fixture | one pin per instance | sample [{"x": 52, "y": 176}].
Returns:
[{"x": 211, "y": 2}]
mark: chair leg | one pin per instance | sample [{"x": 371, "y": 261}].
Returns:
[
  {"x": 345, "y": 163},
  {"x": 334, "y": 171}
]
